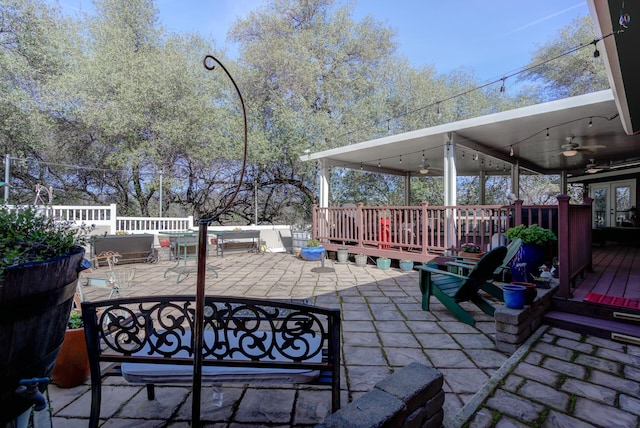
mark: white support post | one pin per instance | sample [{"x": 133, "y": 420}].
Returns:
[
  {"x": 407, "y": 188},
  {"x": 450, "y": 192},
  {"x": 323, "y": 197},
  {"x": 515, "y": 180}
]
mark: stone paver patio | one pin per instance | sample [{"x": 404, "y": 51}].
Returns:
[{"x": 558, "y": 377}]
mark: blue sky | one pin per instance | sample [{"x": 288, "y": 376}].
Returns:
[{"x": 493, "y": 37}]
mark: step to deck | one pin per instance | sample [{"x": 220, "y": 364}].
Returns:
[{"x": 605, "y": 328}]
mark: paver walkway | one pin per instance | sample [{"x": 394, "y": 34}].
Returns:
[{"x": 558, "y": 379}]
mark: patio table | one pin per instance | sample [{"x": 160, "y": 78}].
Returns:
[{"x": 186, "y": 248}]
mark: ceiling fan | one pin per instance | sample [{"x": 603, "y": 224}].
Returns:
[
  {"x": 592, "y": 167},
  {"x": 424, "y": 168},
  {"x": 571, "y": 149}
]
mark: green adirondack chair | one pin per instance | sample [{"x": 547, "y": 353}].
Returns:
[
  {"x": 505, "y": 266},
  {"x": 451, "y": 288}
]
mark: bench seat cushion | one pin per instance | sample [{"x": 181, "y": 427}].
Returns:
[{"x": 178, "y": 373}]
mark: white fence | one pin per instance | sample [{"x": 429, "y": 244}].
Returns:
[{"x": 105, "y": 217}]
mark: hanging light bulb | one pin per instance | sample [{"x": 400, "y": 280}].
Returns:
[
  {"x": 502, "y": 88},
  {"x": 475, "y": 156},
  {"x": 596, "y": 52},
  {"x": 590, "y": 122},
  {"x": 400, "y": 159},
  {"x": 439, "y": 112},
  {"x": 547, "y": 137},
  {"x": 379, "y": 164},
  {"x": 360, "y": 166},
  {"x": 511, "y": 151}
]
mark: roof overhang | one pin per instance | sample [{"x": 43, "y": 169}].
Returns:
[
  {"x": 490, "y": 138},
  {"x": 619, "y": 52}
]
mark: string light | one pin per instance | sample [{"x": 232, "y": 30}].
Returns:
[
  {"x": 475, "y": 156},
  {"x": 547, "y": 137},
  {"x": 400, "y": 158},
  {"x": 590, "y": 122},
  {"x": 596, "y": 52},
  {"x": 624, "y": 18},
  {"x": 511, "y": 151},
  {"x": 379, "y": 164},
  {"x": 439, "y": 112}
]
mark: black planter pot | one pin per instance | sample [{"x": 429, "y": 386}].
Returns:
[{"x": 35, "y": 302}]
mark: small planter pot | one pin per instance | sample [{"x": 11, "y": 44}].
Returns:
[
  {"x": 343, "y": 255},
  {"x": 530, "y": 292},
  {"x": 312, "y": 253},
  {"x": 467, "y": 255},
  {"x": 72, "y": 365},
  {"x": 361, "y": 260},
  {"x": 406, "y": 265},
  {"x": 514, "y": 296},
  {"x": 383, "y": 264}
]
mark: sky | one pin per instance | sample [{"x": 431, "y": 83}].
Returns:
[{"x": 494, "y": 37}]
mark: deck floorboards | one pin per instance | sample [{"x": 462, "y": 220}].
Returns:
[{"x": 616, "y": 272}]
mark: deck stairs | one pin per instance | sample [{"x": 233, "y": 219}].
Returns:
[{"x": 610, "y": 322}]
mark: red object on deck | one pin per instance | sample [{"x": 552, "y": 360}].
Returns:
[
  {"x": 384, "y": 233},
  {"x": 622, "y": 302}
]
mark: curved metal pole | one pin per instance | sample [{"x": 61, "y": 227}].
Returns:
[{"x": 198, "y": 325}]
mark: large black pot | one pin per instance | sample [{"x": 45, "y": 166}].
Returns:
[{"x": 35, "y": 302}]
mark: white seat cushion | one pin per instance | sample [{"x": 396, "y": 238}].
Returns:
[{"x": 175, "y": 373}]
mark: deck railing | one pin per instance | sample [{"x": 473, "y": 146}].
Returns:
[{"x": 421, "y": 233}]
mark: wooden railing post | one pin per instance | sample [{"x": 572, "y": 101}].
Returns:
[
  {"x": 564, "y": 268},
  {"x": 425, "y": 228},
  {"x": 518, "y": 212},
  {"x": 360, "y": 215}
]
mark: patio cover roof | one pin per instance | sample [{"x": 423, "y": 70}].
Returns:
[
  {"x": 614, "y": 115},
  {"x": 491, "y": 137}
]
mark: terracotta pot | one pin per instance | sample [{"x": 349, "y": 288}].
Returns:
[
  {"x": 530, "y": 293},
  {"x": 467, "y": 255},
  {"x": 72, "y": 364}
]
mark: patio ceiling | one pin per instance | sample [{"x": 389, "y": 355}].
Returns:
[
  {"x": 491, "y": 137},
  {"x": 614, "y": 115}
]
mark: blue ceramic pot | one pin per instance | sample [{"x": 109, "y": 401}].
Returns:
[
  {"x": 312, "y": 253},
  {"x": 406, "y": 265},
  {"x": 513, "y": 296},
  {"x": 526, "y": 262},
  {"x": 383, "y": 263}
]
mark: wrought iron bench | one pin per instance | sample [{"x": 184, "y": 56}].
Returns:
[{"x": 148, "y": 341}]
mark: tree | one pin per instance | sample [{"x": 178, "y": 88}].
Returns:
[{"x": 561, "y": 70}]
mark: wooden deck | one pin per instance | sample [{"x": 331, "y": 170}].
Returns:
[{"x": 616, "y": 272}]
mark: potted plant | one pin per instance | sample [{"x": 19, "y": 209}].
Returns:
[
  {"x": 39, "y": 267},
  {"x": 361, "y": 259},
  {"x": 312, "y": 251},
  {"x": 343, "y": 254},
  {"x": 470, "y": 250},
  {"x": 72, "y": 365},
  {"x": 531, "y": 253},
  {"x": 406, "y": 265},
  {"x": 383, "y": 263}
]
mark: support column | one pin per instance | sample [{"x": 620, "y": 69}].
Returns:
[
  {"x": 564, "y": 186},
  {"x": 515, "y": 179},
  {"x": 450, "y": 191},
  {"x": 482, "y": 187},
  {"x": 323, "y": 197},
  {"x": 407, "y": 188}
]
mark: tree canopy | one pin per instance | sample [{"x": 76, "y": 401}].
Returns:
[{"x": 105, "y": 107}]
